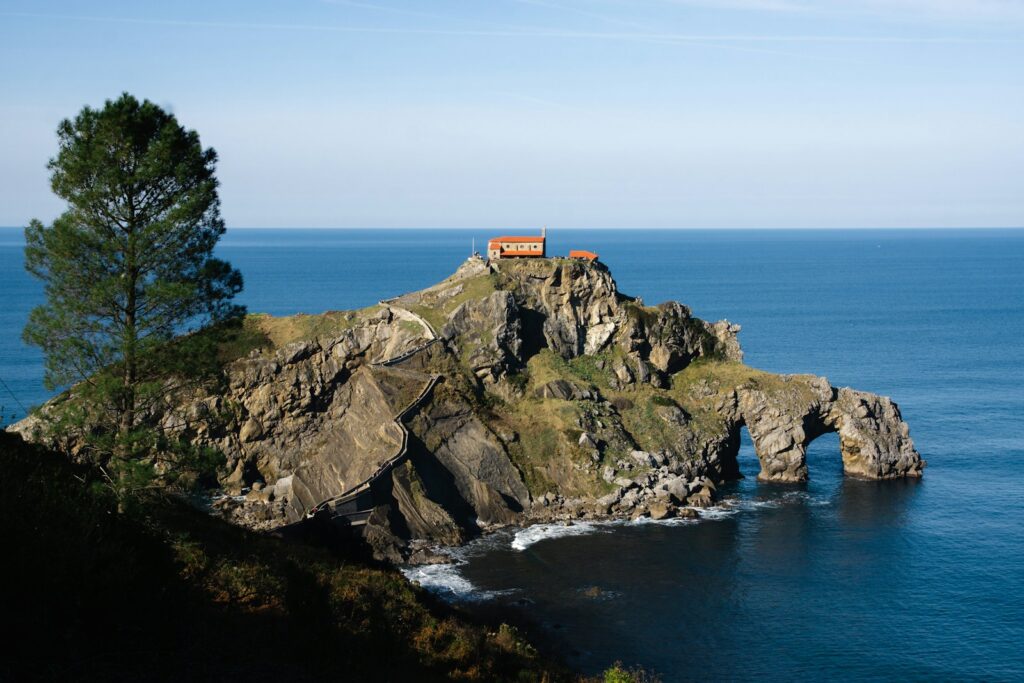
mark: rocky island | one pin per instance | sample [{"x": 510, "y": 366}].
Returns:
[{"x": 512, "y": 392}]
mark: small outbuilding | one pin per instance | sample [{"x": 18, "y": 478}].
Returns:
[{"x": 583, "y": 255}]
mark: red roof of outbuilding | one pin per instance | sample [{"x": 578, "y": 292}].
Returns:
[{"x": 582, "y": 253}]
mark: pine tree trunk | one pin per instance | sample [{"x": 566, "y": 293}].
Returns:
[
  {"x": 127, "y": 421},
  {"x": 131, "y": 278}
]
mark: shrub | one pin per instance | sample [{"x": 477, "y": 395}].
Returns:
[{"x": 617, "y": 674}]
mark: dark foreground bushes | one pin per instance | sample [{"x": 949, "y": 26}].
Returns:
[{"x": 164, "y": 591}]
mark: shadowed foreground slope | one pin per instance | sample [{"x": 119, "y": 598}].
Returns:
[{"x": 168, "y": 592}]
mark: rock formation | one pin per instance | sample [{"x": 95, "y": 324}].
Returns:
[{"x": 559, "y": 397}]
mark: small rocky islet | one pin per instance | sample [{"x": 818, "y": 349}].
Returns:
[{"x": 513, "y": 392}]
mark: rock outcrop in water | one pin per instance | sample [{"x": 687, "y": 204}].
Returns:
[
  {"x": 874, "y": 441},
  {"x": 559, "y": 397}
]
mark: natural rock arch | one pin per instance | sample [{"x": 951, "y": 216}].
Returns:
[{"x": 784, "y": 418}]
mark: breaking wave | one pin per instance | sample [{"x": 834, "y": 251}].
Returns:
[
  {"x": 540, "y": 532},
  {"x": 444, "y": 579},
  {"x": 448, "y": 581}
]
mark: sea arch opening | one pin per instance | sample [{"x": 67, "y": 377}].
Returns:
[
  {"x": 746, "y": 464},
  {"x": 824, "y": 456},
  {"x": 779, "y": 452}
]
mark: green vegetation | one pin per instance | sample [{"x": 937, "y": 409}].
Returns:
[
  {"x": 646, "y": 423},
  {"x": 538, "y": 446},
  {"x": 166, "y": 591},
  {"x": 243, "y": 339},
  {"x": 410, "y": 326},
  {"x": 618, "y": 674},
  {"x": 520, "y": 380},
  {"x": 653, "y": 418},
  {"x": 593, "y": 369},
  {"x": 720, "y": 375},
  {"x": 646, "y": 315},
  {"x": 705, "y": 379},
  {"x": 547, "y": 450},
  {"x": 126, "y": 266},
  {"x": 435, "y": 306},
  {"x": 278, "y": 332}
]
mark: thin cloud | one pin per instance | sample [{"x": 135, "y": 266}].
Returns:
[
  {"x": 523, "y": 97},
  {"x": 582, "y": 12},
  {"x": 680, "y": 38},
  {"x": 381, "y": 8},
  {"x": 984, "y": 10},
  {"x": 755, "y": 5}
]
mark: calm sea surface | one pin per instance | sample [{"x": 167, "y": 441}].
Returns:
[{"x": 836, "y": 579}]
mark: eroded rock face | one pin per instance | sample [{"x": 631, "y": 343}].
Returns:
[
  {"x": 581, "y": 312},
  {"x": 577, "y": 304},
  {"x": 489, "y": 333},
  {"x": 483, "y": 476},
  {"x": 874, "y": 440},
  {"x": 312, "y": 419},
  {"x": 565, "y": 390}
]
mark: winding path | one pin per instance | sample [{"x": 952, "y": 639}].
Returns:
[{"x": 354, "y": 505}]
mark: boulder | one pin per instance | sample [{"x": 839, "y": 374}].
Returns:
[
  {"x": 678, "y": 490},
  {"x": 660, "y": 510},
  {"x": 701, "y": 498},
  {"x": 623, "y": 374},
  {"x": 643, "y": 458},
  {"x": 604, "y": 503},
  {"x": 564, "y": 390}
]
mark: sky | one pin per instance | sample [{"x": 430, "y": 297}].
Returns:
[{"x": 570, "y": 113}]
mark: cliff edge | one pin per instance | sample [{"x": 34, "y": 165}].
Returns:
[{"x": 511, "y": 391}]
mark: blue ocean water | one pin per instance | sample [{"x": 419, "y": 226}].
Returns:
[{"x": 834, "y": 579}]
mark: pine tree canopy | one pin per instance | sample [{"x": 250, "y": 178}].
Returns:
[{"x": 130, "y": 263}]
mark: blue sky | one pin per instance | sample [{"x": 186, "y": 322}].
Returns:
[{"x": 573, "y": 113}]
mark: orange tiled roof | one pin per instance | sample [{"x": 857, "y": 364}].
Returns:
[
  {"x": 582, "y": 253},
  {"x": 516, "y": 239}
]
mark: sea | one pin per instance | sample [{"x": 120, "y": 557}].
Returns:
[{"x": 835, "y": 579}]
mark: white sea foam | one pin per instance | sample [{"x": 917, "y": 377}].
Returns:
[
  {"x": 758, "y": 504},
  {"x": 241, "y": 498},
  {"x": 444, "y": 579},
  {"x": 806, "y": 498},
  {"x": 447, "y": 580},
  {"x": 539, "y": 532},
  {"x": 669, "y": 521},
  {"x": 718, "y": 512}
]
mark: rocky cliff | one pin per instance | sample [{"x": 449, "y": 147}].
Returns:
[{"x": 556, "y": 396}]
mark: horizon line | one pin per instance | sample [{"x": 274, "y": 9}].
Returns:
[{"x": 609, "y": 228}]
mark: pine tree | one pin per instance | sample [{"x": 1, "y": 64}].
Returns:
[{"x": 130, "y": 263}]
